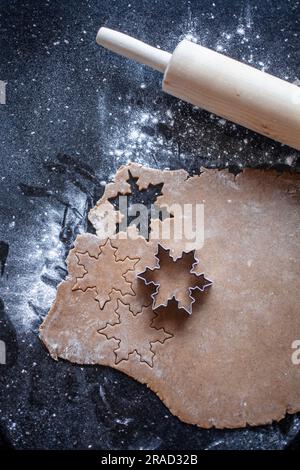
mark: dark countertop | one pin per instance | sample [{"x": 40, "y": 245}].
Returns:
[{"x": 75, "y": 113}]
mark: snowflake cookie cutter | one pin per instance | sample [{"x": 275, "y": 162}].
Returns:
[{"x": 168, "y": 289}]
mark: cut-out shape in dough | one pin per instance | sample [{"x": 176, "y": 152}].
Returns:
[
  {"x": 135, "y": 334},
  {"x": 100, "y": 273},
  {"x": 145, "y": 196}
]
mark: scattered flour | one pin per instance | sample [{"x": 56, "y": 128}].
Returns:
[{"x": 39, "y": 263}]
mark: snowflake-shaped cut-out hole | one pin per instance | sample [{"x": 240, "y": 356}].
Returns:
[
  {"x": 146, "y": 196},
  {"x": 174, "y": 279},
  {"x": 135, "y": 334},
  {"x": 105, "y": 273}
]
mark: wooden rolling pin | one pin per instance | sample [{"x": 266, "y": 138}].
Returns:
[{"x": 221, "y": 85}]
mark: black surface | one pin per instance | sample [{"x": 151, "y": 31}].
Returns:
[{"x": 74, "y": 113}]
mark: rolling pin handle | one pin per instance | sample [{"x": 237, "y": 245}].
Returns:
[{"x": 133, "y": 49}]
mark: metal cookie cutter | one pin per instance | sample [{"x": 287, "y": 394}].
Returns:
[{"x": 174, "y": 279}]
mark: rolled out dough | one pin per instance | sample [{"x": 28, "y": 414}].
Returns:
[{"x": 228, "y": 364}]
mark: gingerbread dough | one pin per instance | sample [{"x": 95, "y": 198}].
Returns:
[{"x": 229, "y": 363}]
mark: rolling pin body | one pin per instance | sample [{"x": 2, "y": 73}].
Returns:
[
  {"x": 235, "y": 91},
  {"x": 219, "y": 84}
]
